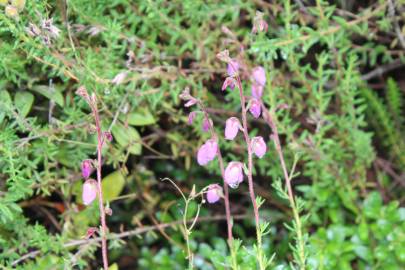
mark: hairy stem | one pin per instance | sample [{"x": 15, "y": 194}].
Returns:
[
  {"x": 100, "y": 140},
  {"x": 287, "y": 178},
  {"x": 250, "y": 171}
]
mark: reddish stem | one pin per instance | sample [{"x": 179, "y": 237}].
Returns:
[
  {"x": 100, "y": 189},
  {"x": 250, "y": 157},
  {"x": 221, "y": 166}
]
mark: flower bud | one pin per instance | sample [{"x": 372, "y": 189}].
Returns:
[
  {"x": 86, "y": 168},
  {"x": 231, "y": 128},
  {"x": 259, "y": 75},
  {"x": 192, "y": 101},
  {"x": 234, "y": 174},
  {"x": 259, "y": 146},
  {"x": 207, "y": 152},
  {"x": 257, "y": 91},
  {"x": 108, "y": 136},
  {"x": 255, "y": 108},
  {"x": 191, "y": 117},
  {"x": 119, "y": 78},
  {"x": 232, "y": 68},
  {"x": 214, "y": 193},
  {"x": 229, "y": 81},
  {"x": 89, "y": 191},
  {"x": 206, "y": 124}
]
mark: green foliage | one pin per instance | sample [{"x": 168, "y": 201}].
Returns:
[
  {"x": 314, "y": 60},
  {"x": 386, "y": 118}
]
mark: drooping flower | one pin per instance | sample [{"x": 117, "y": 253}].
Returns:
[
  {"x": 206, "y": 124},
  {"x": 232, "y": 126},
  {"x": 257, "y": 91},
  {"x": 259, "y": 75},
  {"x": 214, "y": 193},
  {"x": 255, "y": 108},
  {"x": 191, "y": 102},
  {"x": 191, "y": 117},
  {"x": 232, "y": 68},
  {"x": 234, "y": 174},
  {"x": 86, "y": 168},
  {"x": 89, "y": 191},
  {"x": 229, "y": 81},
  {"x": 207, "y": 152},
  {"x": 259, "y": 146}
]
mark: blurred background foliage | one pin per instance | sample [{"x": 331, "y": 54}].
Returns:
[{"x": 337, "y": 65}]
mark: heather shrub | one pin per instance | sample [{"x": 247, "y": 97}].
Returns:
[{"x": 202, "y": 134}]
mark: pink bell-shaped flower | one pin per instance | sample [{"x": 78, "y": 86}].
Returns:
[
  {"x": 259, "y": 146},
  {"x": 207, "y": 152},
  {"x": 257, "y": 91},
  {"x": 232, "y": 68},
  {"x": 206, "y": 124},
  {"x": 89, "y": 191},
  {"x": 214, "y": 193},
  {"x": 191, "y": 117},
  {"x": 231, "y": 128},
  {"x": 259, "y": 75},
  {"x": 234, "y": 174},
  {"x": 86, "y": 168},
  {"x": 255, "y": 108}
]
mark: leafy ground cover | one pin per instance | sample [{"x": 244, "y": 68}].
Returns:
[{"x": 334, "y": 89}]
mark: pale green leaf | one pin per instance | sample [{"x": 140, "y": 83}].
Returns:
[
  {"x": 127, "y": 137},
  {"x": 112, "y": 185},
  {"x": 23, "y": 102}
]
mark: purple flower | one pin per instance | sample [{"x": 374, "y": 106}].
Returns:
[
  {"x": 257, "y": 91},
  {"x": 229, "y": 81},
  {"x": 108, "y": 135},
  {"x": 191, "y": 102},
  {"x": 255, "y": 108},
  {"x": 191, "y": 117},
  {"x": 258, "y": 146},
  {"x": 214, "y": 193},
  {"x": 234, "y": 174},
  {"x": 206, "y": 124},
  {"x": 259, "y": 75},
  {"x": 231, "y": 128},
  {"x": 232, "y": 68},
  {"x": 207, "y": 152},
  {"x": 89, "y": 191},
  {"x": 86, "y": 168}
]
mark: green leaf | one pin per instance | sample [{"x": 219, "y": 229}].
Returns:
[
  {"x": 23, "y": 102},
  {"x": 114, "y": 266},
  {"x": 372, "y": 205},
  {"x": 50, "y": 93},
  {"x": 5, "y": 103},
  {"x": 112, "y": 185},
  {"x": 142, "y": 117},
  {"x": 127, "y": 137}
]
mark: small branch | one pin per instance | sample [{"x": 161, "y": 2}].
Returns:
[{"x": 126, "y": 234}]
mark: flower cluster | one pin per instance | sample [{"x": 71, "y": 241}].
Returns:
[{"x": 234, "y": 172}]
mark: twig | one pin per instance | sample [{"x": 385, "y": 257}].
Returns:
[
  {"x": 379, "y": 71},
  {"x": 130, "y": 233},
  {"x": 391, "y": 12}
]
